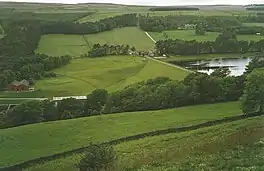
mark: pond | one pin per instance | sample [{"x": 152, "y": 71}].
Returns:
[{"x": 237, "y": 66}]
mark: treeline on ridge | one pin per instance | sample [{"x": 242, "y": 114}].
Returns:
[
  {"x": 226, "y": 42},
  {"x": 171, "y": 8}
]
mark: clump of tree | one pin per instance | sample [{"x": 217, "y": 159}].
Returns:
[
  {"x": 200, "y": 29},
  {"x": 98, "y": 157},
  {"x": 104, "y": 50},
  {"x": 256, "y": 62},
  {"x": 163, "y": 93},
  {"x": 253, "y": 98}
]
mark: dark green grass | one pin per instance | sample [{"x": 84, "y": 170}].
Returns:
[
  {"x": 37, "y": 140},
  {"x": 234, "y": 146}
]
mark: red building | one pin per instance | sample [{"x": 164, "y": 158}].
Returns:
[{"x": 19, "y": 85}]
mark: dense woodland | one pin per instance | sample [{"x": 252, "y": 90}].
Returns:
[
  {"x": 153, "y": 94},
  {"x": 226, "y": 42}
]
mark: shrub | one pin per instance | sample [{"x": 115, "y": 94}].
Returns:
[{"x": 98, "y": 157}]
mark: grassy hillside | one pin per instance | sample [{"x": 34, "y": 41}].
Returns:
[
  {"x": 190, "y": 35},
  {"x": 112, "y": 73},
  {"x": 75, "y": 45},
  {"x": 28, "y": 142},
  {"x": 232, "y": 146}
]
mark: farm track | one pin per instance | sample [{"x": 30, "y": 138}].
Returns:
[
  {"x": 77, "y": 78},
  {"x": 165, "y": 63},
  {"x": 86, "y": 41},
  {"x": 27, "y": 164}
]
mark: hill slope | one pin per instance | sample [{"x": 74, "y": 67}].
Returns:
[
  {"x": 112, "y": 73},
  {"x": 232, "y": 146},
  {"x": 28, "y": 142}
]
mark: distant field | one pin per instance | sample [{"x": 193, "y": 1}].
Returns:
[
  {"x": 28, "y": 142},
  {"x": 219, "y": 148},
  {"x": 98, "y": 16},
  {"x": 254, "y": 24},
  {"x": 112, "y": 73},
  {"x": 75, "y": 45},
  {"x": 190, "y": 35}
]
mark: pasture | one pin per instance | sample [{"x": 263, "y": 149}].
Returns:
[
  {"x": 23, "y": 143},
  {"x": 254, "y": 24},
  {"x": 190, "y": 35},
  {"x": 113, "y": 73},
  {"x": 75, "y": 45},
  {"x": 187, "y": 150}
]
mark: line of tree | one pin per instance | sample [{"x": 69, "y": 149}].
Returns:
[
  {"x": 226, "y": 42},
  {"x": 260, "y": 8},
  {"x": 153, "y": 94},
  {"x": 171, "y": 8},
  {"x": 174, "y": 22},
  {"x": 106, "y": 49},
  {"x": 68, "y": 27}
]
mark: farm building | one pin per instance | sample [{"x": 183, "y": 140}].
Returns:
[{"x": 19, "y": 85}]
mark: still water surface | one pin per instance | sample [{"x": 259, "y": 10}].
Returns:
[{"x": 237, "y": 66}]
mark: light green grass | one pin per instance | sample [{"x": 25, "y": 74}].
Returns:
[
  {"x": 132, "y": 36},
  {"x": 76, "y": 45},
  {"x": 254, "y": 24},
  {"x": 28, "y": 142},
  {"x": 177, "y": 151},
  {"x": 112, "y": 73},
  {"x": 59, "y": 44},
  {"x": 190, "y": 35}
]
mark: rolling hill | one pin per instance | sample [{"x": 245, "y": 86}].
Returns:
[
  {"x": 31, "y": 141},
  {"x": 232, "y": 146},
  {"x": 113, "y": 73}
]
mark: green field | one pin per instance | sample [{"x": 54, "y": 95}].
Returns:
[
  {"x": 190, "y": 35},
  {"x": 59, "y": 44},
  {"x": 31, "y": 141},
  {"x": 254, "y": 24},
  {"x": 224, "y": 147},
  {"x": 75, "y": 45},
  {"x": 112, "y": 73}
]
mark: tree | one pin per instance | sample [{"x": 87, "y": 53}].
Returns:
[
  {"x": 200, "y": 29},
  {"x": 25, "y": 113},
  {"x": 98, "y": 157},
  {"x": 96, "y": 101},
  {"x": 253, "y": 97},
  {"x": 221, "y": 72},
  {"x": 70, "y": 108}
]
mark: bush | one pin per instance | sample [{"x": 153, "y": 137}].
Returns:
[{"x": 98, "y": 157}]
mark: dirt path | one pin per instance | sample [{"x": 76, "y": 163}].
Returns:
[{"x": 165, "y": 63}]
